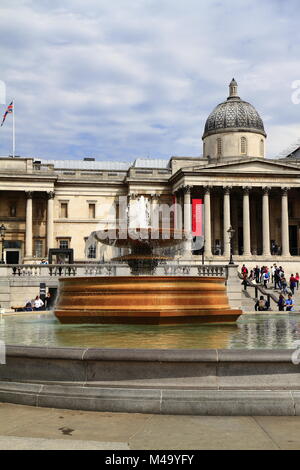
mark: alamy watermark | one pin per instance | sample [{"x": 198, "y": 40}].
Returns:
[
  {"x": 2, "y": 92},
  {"x": 146, "y": 218},
  {"x": 296, "y": 94},
  {"x": 2, "y": 353}
]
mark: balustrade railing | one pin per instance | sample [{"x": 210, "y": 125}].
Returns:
[
  {"x": 106, "y": 269},
  {"x": 213, "y": 271}
]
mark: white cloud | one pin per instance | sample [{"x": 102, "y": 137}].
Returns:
[{"x": 139, "y": 77}]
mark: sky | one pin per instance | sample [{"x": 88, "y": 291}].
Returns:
[{"x": 126, "y": 79}]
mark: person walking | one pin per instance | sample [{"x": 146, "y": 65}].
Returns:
[
  {"x": 283, "y": 284},
  {"x": 244, "y": 270},
  {"x": 265, "y": 279},
  {"x": 292, "y": 284},
  {"x": 297, "y": 277},
  {"x": 277, "y": 279},
  {"x": 257, "y": 274},
  {"x": 273, "y": 271},
  {"x": 244, "y": 282}
]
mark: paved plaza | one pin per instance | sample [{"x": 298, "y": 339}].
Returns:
[{"x": 24, "y": 427}]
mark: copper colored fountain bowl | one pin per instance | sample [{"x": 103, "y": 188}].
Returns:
[{"x": 144, "y": 300}]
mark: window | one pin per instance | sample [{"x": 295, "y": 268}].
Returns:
[
  {"x": 262, "y": 148},
  {"x": 38, "y": 248},
  {"x": 63, "y": 210},
  {"x": 243, "y": 146},
  {"x": 39, "y": 211},
  {"x": 92, "y": 251},
  {"x": 13, "y": 209},
  {"x": 63, "y": 244},
  {"x": 291, "y": 209},
  {"x": 92, "y": 211},
  {"x": 219, "y": 147}
]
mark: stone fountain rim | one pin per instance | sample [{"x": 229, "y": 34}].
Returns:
[
  {"x": 149, "y": 276},
  {"x": 160, "y": 355},
  {"x": 214, "y": 382}
]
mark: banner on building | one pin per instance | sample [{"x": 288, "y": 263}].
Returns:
[{"x": 197, "y": 217}]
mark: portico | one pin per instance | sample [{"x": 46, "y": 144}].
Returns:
[
  {"x": 28, "y": 217},
  {"x": 263, "y": 211}
]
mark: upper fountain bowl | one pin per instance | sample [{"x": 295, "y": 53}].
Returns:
[{"x": 140, "y": 237}]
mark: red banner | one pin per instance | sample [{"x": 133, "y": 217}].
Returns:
[{"x": 197, "y": 217}]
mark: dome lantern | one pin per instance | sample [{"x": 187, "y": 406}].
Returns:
[
  {"x": 233, "y": 89},
  {"x": 234, "y": 125}
]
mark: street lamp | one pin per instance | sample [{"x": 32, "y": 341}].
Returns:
[
  {"x": 231, "y": 233},
  {"x": 2, "y": 235}
]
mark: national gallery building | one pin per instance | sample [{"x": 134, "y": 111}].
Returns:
[{"x": 57, "y": 204}]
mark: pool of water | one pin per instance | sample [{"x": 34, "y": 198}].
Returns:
[{"x": 251, "y": 331}]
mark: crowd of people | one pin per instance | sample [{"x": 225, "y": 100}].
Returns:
[{"x": 273, "y": 277}]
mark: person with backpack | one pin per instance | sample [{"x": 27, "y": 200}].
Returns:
[
  {"x": 261, "y": 304},
  {"x": 265, "y": 278}
]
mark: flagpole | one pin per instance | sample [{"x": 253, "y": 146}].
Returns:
[{"x": 14, "y": 136}]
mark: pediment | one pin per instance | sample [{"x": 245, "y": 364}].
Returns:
[{"x": 253, "y": 165}]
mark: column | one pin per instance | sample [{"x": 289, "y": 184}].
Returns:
[
  {"x": 246, "y": 222},
  {"x": 226, "y": 221},
  {"x": 178, "y": 211},
  {"x": 50, "y": 217},
  {"x": 285, "y": 245},
  {"x": 235, "y": 222},
  {"x": 266, "y": 221},
  {"x": 154, "y": 212},
  {"x": 207, "y": 222},
  {"x": 132, "y": 210},
  {"x": 28, "y": 225},
  {"x": 187, "y": 222}
]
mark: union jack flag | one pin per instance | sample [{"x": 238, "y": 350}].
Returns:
[{"x": 9, "y": 110}]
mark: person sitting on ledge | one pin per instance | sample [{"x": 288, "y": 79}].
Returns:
[
  {"x": 28, "y": 306},
  {"x": 290, "y": 303},
  {"x": 37, "y": 303},
  {"x": 281, "y": 303},
  {"x": 261, "y": 304}
]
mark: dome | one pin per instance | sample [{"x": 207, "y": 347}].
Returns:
[{"x": 234, "y": 115}]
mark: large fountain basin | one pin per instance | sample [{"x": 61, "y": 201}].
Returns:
[{"x": 144, "y": 300}]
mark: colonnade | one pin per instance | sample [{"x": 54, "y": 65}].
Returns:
[{"x": 265, "y": 210}]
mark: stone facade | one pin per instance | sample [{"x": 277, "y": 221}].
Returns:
[{"x": 57, "y": 204}]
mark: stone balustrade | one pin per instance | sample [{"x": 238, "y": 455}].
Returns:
[{"x": 107, "y": 269}]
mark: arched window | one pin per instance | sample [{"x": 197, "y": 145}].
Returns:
[
  {"x": 204, "y": 150},
  {"x": 262, "y": 148},
  {"x": 243, "y": 146},
  {"x": 219, "y": 147}
]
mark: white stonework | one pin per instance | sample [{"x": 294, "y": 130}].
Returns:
[{"x": 52, "y": 204}]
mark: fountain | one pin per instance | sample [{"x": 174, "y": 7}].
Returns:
[{"x": 143, "y": 297}]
